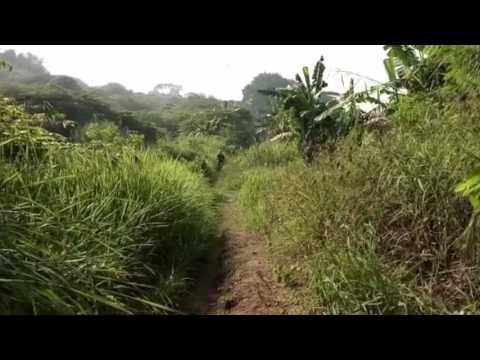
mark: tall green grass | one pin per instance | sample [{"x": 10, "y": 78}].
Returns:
[
  {"x": 262, "y": 156},
  {"x": 88, "y": 231},
  {"x": 255, "y": 197},
  {"x": 377, "y": 228},
  {"x": 198, "y": 152}
]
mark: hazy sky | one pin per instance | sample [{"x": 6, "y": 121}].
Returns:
[{"x": 218, "y": 70}]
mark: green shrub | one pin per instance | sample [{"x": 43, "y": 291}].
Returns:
[
  {"x": 108, "y": 132},
  {"x": 102, "y": 132}
]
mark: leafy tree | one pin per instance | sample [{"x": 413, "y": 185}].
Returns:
[
  {"x": 68, "y": 83},
  {"x": 257, "y": 103},
  {"x": 108, "y": 132},
  {"x": 24, "y": 65},
  {"x": 233, "y": 123},
  {"x": 103, "y": 132},
  {"x": 114, "y": 89},
  {"x": 159, "y": 120}
]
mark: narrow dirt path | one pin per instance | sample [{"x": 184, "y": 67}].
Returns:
[{"x": 238, "y": 278}]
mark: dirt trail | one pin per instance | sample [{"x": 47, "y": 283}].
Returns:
[{"x": 238, "y": 278}]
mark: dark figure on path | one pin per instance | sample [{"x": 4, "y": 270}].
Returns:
[{"x": 221, "y": 160}]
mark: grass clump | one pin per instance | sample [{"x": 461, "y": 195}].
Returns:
[
  {"x": 261, "y": 156},
  {"x": 254, "y": 198}
]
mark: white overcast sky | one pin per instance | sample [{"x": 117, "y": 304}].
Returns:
[{"x": 218, "y": 70}]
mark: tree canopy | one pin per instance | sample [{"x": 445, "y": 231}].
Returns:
[{"x": 257, "y": 103}]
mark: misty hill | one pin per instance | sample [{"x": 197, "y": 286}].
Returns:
[{"x": 160, "y": 112}]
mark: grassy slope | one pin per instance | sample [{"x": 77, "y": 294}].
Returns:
[
  {"x": 373, "y": 228},
  {"x": 97, "y": 228}
]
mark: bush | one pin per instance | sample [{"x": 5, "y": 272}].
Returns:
[
  {"x": 107, "y": 132},
  {"x": 102, "y": 132}
]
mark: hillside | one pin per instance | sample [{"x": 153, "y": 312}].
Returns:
[{"x": 162, "y": 112}]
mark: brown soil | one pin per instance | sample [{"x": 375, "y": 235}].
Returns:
[{"x": 238, "y": 279}]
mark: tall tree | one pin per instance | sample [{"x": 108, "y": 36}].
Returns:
[
  {"x": 257, "y": 103},
  {"x": 24, "y": 65},
  {"x": 235, "y": 124}
]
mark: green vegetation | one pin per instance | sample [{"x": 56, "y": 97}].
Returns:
[
  {"x": 312, "y": 115},
  {"x": 260, "y": 104},
  {"x": 110, "y": 198},
  {"x": 263, "y": 156},
  {"x": 100, "y": 228},
  {"x": 199, "y": 153},
  {"x": 375, "y": 226}
]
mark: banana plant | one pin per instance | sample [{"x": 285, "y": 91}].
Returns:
[
  {"x": 306, "y": 101},
  {"x": 402, "y": 59},
  {"x": 409, "y": 67}
]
